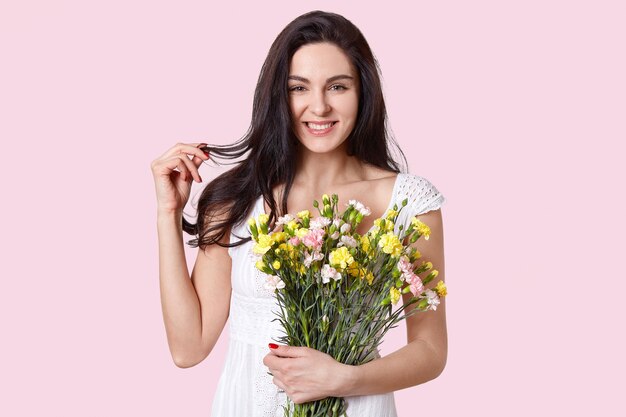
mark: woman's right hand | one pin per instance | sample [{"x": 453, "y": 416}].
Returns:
[{"x": 173, "y": 187}]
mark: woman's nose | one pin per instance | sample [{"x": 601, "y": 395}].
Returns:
[{"x": 319, "y": 103}]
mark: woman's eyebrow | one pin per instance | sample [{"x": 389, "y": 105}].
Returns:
[{"x": 330, "y": 80}]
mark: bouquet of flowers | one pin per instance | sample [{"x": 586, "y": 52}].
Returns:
[{"x": 335, "y": 288}]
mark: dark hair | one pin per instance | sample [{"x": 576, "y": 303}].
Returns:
[{"x": 270, "y": 139}]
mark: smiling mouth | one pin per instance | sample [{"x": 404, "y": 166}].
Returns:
[{"x": 319, "y": 126}]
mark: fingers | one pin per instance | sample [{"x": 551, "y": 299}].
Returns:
[
  {"x": 178, "y": 157},
  {"x": 288, "y": 351},
  {"x": 186, "y": 148}
]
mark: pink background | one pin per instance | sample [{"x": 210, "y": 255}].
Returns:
[{"x": 514, "y": 110}]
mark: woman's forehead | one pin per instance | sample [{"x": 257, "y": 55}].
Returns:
[{"x": 320, "y": 61}]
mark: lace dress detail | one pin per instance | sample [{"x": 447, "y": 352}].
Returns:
[{"x": 245, "y": 389}]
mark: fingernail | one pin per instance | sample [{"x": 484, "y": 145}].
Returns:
[
  {"x": 206, "y": 153},
  {"x": 273, "y": 346}
]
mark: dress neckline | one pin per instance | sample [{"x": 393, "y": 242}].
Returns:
[{"x": 260, "y": 209}]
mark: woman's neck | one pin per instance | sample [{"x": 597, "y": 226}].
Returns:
[{"x": 328, "y": 170}]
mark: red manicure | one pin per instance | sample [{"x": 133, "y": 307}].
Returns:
[{"x": 273, "y": 346}]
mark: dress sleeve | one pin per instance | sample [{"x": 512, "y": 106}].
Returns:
[{"x": 422, "y": 197}]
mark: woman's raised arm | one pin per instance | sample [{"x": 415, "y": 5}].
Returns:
[{"x": 195, "y": 309}]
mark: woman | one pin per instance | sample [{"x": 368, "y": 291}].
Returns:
[{"x": 318, "y": 126}]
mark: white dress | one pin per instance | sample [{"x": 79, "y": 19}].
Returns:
[{"x": 245, "y": 389}]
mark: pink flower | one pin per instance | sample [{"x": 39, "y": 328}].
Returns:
[
  {"x": 294, "y": 241},
  {"x": 415, "y": 283},
  {"x": 314, "y": 239},
  {"x": 404, "y": 265}
]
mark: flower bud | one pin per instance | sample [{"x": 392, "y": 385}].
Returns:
[{"x": 430, "y": 276}]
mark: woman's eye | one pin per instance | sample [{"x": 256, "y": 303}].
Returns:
[
  {"x": 296, "y": 88},
  {"x": 337, "y": 87}
]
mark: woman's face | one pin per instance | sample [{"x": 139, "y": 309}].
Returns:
[{"x": 323, "y": 96}]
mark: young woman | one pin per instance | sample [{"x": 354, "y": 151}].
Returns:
[{"x": 318, "y": 126}]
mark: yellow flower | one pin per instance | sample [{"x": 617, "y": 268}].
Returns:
[
  {"x": 341, "y": 258},
  {"x": 365, "y": 243},
  {"x": 279, "y": 237},
  {"x": 441, "y": 289},
  {"x": 263, "y": 245},
  {"x": 260, "y": 265},
  {"x": 251, "y": 222},
  {"x": 263, "y": 218},
  {"x": 394, "y": 293},
  {"x": 391, "y": 214},
  {"x": 391, "y": 244},
  {"x": 301, "y": 233},
  {"x": 415, "y": 255},
  {"x": 369, "y": 277},
  {"x": 421, "y": 228},
  {"x": 354, "y": 270},
  {"x": 292, "y": 225},
  {"x": 304, "y": 214},
  {"x": 276, "y": 264}
]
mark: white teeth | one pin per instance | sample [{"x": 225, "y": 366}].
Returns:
[{"x": 319, "y": 127}]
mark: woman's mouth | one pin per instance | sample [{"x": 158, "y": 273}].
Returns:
[{"x": 319, "y": 129}]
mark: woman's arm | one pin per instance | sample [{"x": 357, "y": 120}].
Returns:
[{"x": 194, "y": 310}]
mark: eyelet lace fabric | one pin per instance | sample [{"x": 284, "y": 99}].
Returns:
[{"x": 245, "y": 389}]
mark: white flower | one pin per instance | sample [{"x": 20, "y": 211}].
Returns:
[
  {"x": 337, "y": 221},
  {"x": 285, "y": 219},
  {"x": 433, "y": 299},
  {"x": 310, "y": 257},
  {"x": 335, "y": 235},
  {"x": 348, "y": 241},
  {"x": 319, "y": 222},
  {"x": 272, "y": 282},
  {"x": 345, "y": 228},
  {"x": 362, "y": 209},
  {"x": 351, "y": 203},
  {"x": 329, "y": 272}
]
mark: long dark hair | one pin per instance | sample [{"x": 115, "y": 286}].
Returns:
[{"x": 271, "y": 141}]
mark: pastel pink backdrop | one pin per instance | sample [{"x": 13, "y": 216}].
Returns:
[{"x": 514, "y": 110}]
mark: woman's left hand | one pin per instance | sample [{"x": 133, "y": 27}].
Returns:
[{"x": 306, "y": 374}]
